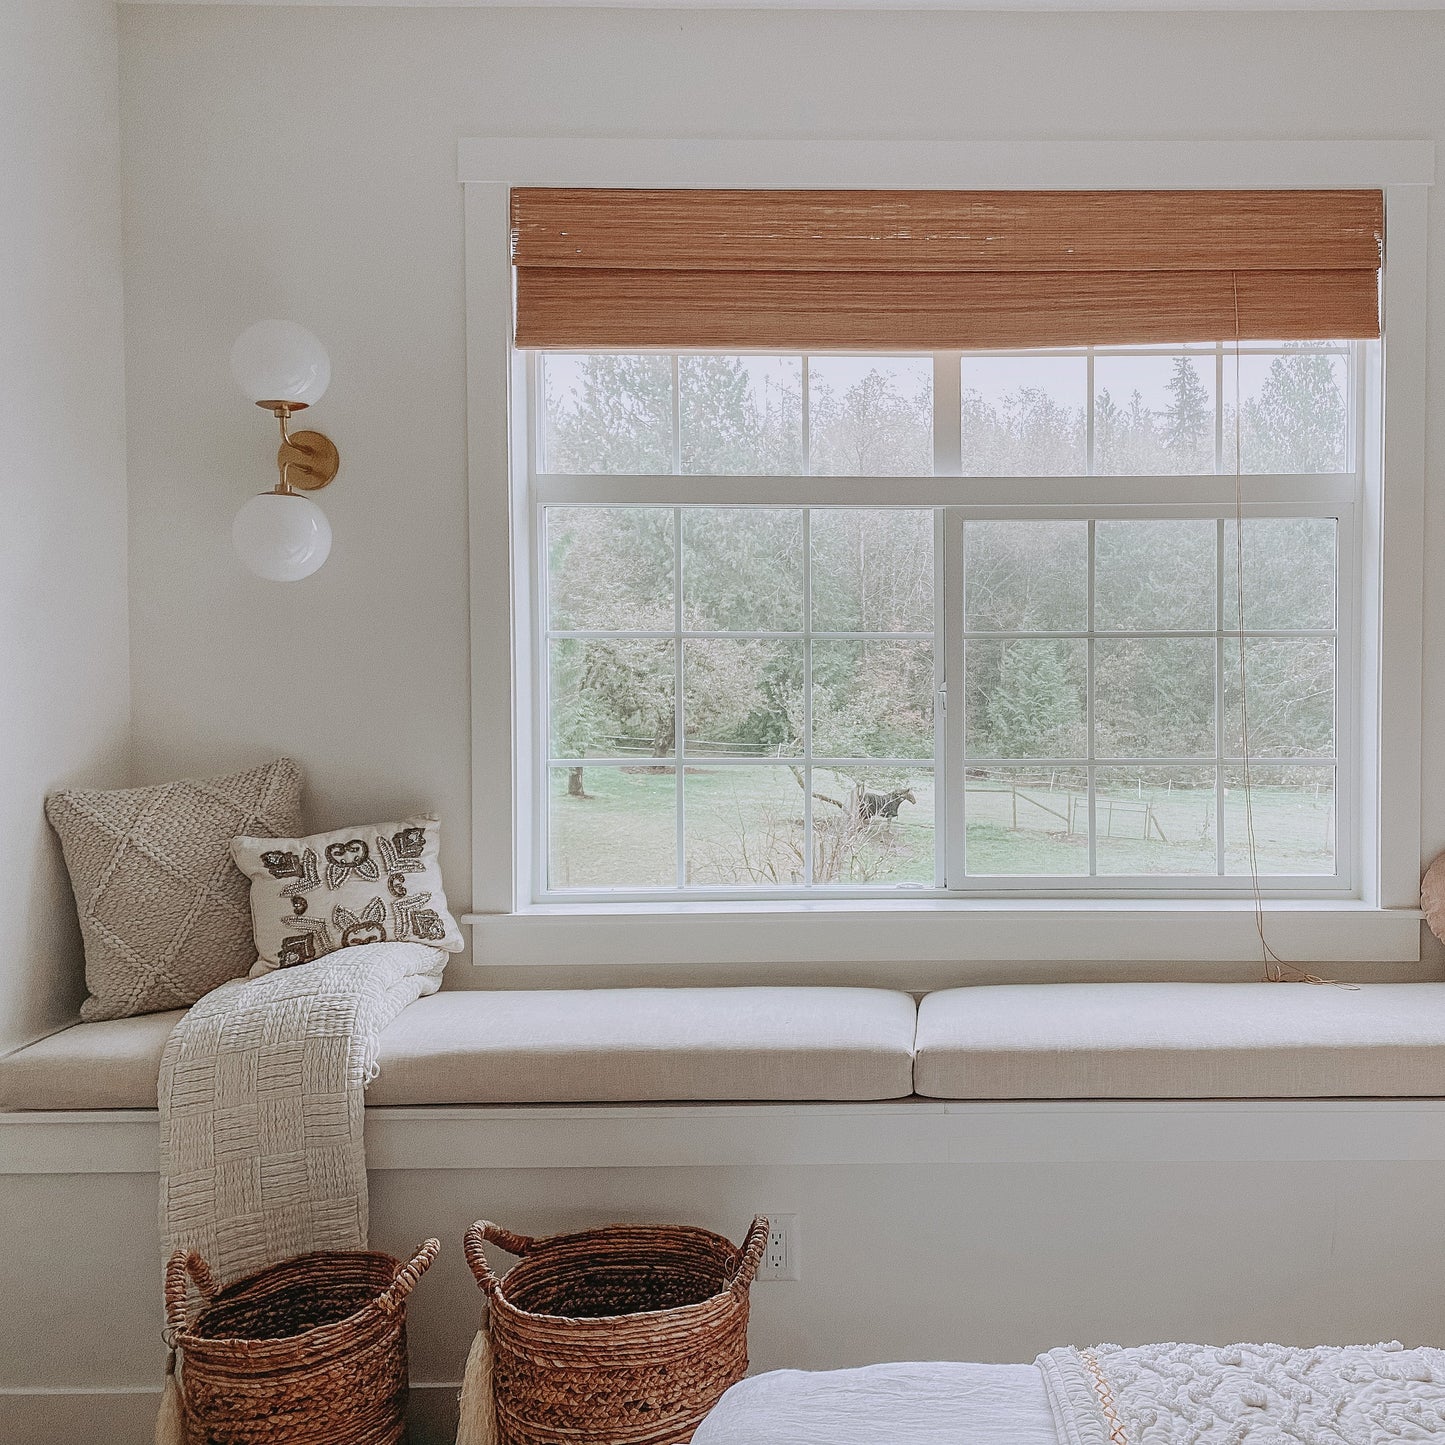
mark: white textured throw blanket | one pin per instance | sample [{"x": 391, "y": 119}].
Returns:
[
  {"x": 1265, "y": 1394},
  {"x": 262, "y": 1106}
]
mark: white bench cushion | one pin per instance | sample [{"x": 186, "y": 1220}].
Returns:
[
  {"x": 110, "y": 1065},
  {"x": 634, "y": 1045},
  {"x": 525, "y": 1047},
  {"x": 1181, "y": 1041}
]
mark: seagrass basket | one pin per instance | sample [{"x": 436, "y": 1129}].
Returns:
[
  {"x": 311, "y": 1351},
  {"x": 620, "y": 1336}
]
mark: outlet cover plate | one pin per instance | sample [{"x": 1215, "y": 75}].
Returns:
[{"x": 782, "y": 1259}]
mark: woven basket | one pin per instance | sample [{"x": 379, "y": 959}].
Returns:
[
  {"x": 620, "y": 1336},
  {"x": 310, "y": 1352}
]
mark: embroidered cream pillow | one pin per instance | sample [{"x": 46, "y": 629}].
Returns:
[
  {"x": 162, "y": 907},
  {"x": 311, "y": 896}
]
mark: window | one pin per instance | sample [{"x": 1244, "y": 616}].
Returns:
[{"x": 963, "y": 623}]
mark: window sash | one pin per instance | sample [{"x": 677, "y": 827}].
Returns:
[{"x": 957, "y": 500}]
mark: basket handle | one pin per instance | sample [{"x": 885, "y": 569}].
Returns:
[
  {"x": 185, "y": 1265},
  {"x": 481, "y": 1232},
  {"x": 752, "y": 1249},
  {"x": 407, "y": 1276}
]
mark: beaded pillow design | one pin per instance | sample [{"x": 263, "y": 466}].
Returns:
[{"x": 378, "y": 884}]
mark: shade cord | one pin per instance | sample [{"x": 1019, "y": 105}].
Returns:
[{"x": 1276, "y": 969}]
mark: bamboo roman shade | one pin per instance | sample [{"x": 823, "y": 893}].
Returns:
[{"x": 941, "y": 270}]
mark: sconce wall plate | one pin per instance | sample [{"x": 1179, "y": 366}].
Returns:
[
  {"x": 306, "y": 460},
  {"x": 309, "y": 459}
]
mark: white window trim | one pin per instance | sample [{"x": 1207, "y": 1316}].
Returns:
[{"x": 1381, "y": 924}]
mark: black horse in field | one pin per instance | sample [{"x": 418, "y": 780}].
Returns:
[{"x": 884, "y": 805}]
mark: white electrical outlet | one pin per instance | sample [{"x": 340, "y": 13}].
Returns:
[{"x": 782, "y": 1259}]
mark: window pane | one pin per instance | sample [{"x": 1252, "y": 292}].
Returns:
[
  {"x": 1293, "y": 412},
  {"x": 1289, "y": 573},
  {"x": 612, "y": 828},
  {"x": 612, "y": 698},
  {"x": 870, "y": 416},
  {"x": 873, "y": 827},
  {"x": 1294, "y": 820},
  {"x": 741, "y": 414},
  {"x": 742, "y": 569},
  {"x": 1154, "y": 697},
  {"x": 1024, "y": 416},
  {"x": 872, "y": 570},
  {"x": 873, "y": 699},
  {"x": 1026, "y": 576},
  {"x": 1026, "y": 821},
  {"x": 1155, "y": 820},
  {"x": 1025, "y": 698},
  {"x": 744, "y": 827},
  {"x": 1290, "y": 693},
  {"x": 607, "y": 413},
  {"x": 1154, "y": 576},
  {"x": 1153, "y": 415},
  {"x": 743, "y": 698},
  {"x": 609, "y": 569}
]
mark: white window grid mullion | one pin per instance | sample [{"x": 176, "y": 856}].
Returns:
[
  {"x": 1090, "y": 743},
  {"x": 1220, "y": 719},
  {"x": 1182, "y": 495},
  {"x": 950, "y": 613},
  {"x": 808, "y": 841},
  {"x": 679, "y": 707},
  {"x": 540, "y": 833},
  {"x": 1347, "y": 761},
  {"x": 943, "y": 803},
  {"x": 1089, "y": 413},
  {"x": 1219, "y": 466},
  {"x": 804, "y": 386},
  {"x": 948, "y": 417}
]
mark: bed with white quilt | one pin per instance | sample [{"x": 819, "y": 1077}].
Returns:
[{"x": 1147, "y": 1395}]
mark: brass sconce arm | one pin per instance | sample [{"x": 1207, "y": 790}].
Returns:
[{"x": 305, "y": 459}]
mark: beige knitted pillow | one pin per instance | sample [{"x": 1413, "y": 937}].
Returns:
[
  {"x": 376, "y": 884},
  {"x": 163, "y": 909}
]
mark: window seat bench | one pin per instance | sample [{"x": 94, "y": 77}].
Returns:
[
  {"x": 826, "y": 1044},
  {"x": 548, "y": 1047}
]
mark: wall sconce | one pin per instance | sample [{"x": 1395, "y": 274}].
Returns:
[{"x": 281, "y": 535}]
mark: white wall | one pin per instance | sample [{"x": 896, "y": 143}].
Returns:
[
  {"x": 64, "y": 684},
  {"x": 302, "y": 162},
  {"x": 1127, "y": 1225}
]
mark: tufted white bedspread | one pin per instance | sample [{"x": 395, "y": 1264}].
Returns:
[
  {"x": 1260, "y": 1394},
  {"x": 1156, "y": 1394}
]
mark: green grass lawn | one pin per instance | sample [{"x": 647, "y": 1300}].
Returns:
[
  {"x": 745, "y": 829},
  {"x": 1294, "y": 829}
]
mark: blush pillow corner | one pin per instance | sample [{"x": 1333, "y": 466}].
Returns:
[
  {"x": 162, "y": 907},
  {"x": 376, "y": 884}
]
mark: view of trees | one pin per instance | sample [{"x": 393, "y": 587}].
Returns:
[{"x": 614, "y": 569}]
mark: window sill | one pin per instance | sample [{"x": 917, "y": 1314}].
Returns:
[{"x": 948, "y": 930}]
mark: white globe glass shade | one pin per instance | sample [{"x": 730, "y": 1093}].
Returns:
[
  {"x": 281, "y": 538},
  {"x": 280, "y": 361}
]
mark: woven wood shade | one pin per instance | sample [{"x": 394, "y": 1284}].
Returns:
[{"x": 941, "y": 270}]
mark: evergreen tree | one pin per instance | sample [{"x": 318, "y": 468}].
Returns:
[
  {"x": 1033, "y": 709},
  {"x": 1297, "y": 422},
  {"x": 1188, "y": 431}
]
